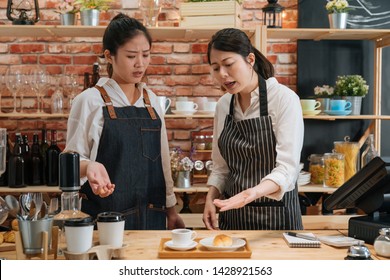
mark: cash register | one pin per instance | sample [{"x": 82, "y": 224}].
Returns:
[{"x": 369, "y": 191}]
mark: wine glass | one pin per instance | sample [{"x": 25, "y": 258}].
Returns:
[
  {"x": 14, "y": 82},
  {"x": 23, "y": 89},
  {"x": 151, "y": 9},
  {"x": 38, "y": 83},
  {"x": 3, "y": 150},
  {"x": 69, "y": 84}
]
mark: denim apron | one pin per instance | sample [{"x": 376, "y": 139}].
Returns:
[
  {"x": 130, "y": 150},
  {"x": 249, "y": 149}
]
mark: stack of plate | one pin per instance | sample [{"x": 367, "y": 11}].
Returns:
[{"x": 303, "y": 178}]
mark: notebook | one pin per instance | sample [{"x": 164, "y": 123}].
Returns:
[{"x": 296, "y": 242}]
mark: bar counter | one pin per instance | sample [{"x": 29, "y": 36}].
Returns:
[{"x": 265, "y": 245}]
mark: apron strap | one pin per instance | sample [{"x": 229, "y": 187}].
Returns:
[
  {"x": 107, "y": 101},
  {"x": 148, "y": 106}
]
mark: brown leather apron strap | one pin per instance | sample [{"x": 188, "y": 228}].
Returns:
[
  {"x": 107, "y": 101},
  {"x": 148, "y": 105}
]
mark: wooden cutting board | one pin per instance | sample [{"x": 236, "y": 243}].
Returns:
[
  {"x": 5, "y": 246},
  {"x": 202, "y": 252}
]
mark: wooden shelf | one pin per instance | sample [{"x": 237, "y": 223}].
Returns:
[
  {"x": 32, "y": 189},
  {"x": 354, "y": 117},
  {"x": 157, "y": 33},
  {"x": 33, "y": 116}
]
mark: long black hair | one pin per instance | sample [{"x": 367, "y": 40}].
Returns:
[
  {"x": 235, "y": 40},
  {"x": 119, "y": 31}
]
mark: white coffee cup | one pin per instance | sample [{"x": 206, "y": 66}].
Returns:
[
  {"x": 78, "y": 234},
  {"x": 310, "y": 104},
  {"x": 111, "y": 226},
  {"x": 164, "y": 103},
  {"x": 182, "y": 236},
  {"x": 186, "y": 106},
  {"x": 210, "y": 106}
]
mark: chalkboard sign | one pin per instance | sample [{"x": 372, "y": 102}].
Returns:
[{"x": 320, "y": 62}]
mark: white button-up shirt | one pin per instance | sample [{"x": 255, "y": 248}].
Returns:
[
  {"x": 85, "y": 125},
  {"x": 285, "y": 111}
]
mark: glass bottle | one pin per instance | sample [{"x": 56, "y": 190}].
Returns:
[
  {"x": 36, "y": 162},
  {"x": 370, "y": 152},
  {"x": 4, "y": 176},
  {"x": 382, "y": 243},
  {"x": 52, "y": 154},
  {"x": 86, "y": 81},
  {"x": 43, "y": 149},
  {"x": 95, "y": 74},
  {"x": 57, "y": 102},
  {"x": 16, "y": 165},
  {"x": 26, "y": 153}
]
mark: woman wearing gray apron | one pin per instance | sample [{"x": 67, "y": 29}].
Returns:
[
  {"x": 117, "y": 130},
  {"x": 258, "y": 136}
]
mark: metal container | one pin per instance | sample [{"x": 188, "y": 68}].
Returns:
[{"x": 90, "y": 17}]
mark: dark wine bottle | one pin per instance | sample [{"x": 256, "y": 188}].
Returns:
[
  {"x": 26, "y": 153},
  {"x": 4, "y": 176},
  {"x": 43, "y": 150},
  {"x": 95, "y": 74},
  {"x": 16, "y": 165},
  {"x": 52, "y": 155},
  {"x": 86, "y": 81},
  {"x": 36, "y": 163}
]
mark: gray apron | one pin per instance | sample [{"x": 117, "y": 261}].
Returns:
[
  {"x": 130, "y": 150},
  {"x": 248, "y": 147}
]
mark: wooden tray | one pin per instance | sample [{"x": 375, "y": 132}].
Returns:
[
  {"x": 202, "y": 252},
  {"x": 6, "y": 246}
]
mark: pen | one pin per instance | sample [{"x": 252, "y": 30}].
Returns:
[{"x": 300, "y": 235}]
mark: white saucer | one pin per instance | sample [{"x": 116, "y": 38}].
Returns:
[
  {"x": 311, "y": 113},
  {"x": 206, "y": 112},
  {"x": 176, "y": 112},
  {"x": 190, "y": 246},
  {"x": 208, "y": 243},
  {"x": 338, "y": 113}
]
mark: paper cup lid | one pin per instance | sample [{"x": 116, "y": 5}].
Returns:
[
  {"x": 109, "y": 217},
  {"x": 79, "y": 222}
]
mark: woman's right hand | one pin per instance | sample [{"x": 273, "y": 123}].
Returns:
[
  {"x": 99, "y": 180},
  {"x": 210, "y": 211}
]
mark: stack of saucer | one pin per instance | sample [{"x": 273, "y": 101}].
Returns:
[{"x": 303, "y": 178}]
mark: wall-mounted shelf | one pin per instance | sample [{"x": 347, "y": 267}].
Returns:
[{"x": 33, "y": 115}]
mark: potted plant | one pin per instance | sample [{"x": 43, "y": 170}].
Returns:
[
  {"x": 353, "y": 88},
  {"x": 67, "y": 10},
  {"x": 324, "y": 94},
  {"x": 338, "y": 13},
  {"x": 90, "y": 10}
]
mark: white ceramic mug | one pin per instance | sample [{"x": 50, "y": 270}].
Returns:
[
  {"x": 210, "y": 106},
  {"x": 188, "y": 106},
  {"x": 111, "y": 228},
  {"x": 310, "y": 104},
  {"x": 182, "y": 236},
  {"x": 164, "y": 103}
]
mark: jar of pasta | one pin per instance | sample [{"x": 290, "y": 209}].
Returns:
[
  {"x": 334, "y": 170},
  {"x": 316, "y": 168},
  {"x": 351, "y": 152},
  {"x": 199, "y": 142}
]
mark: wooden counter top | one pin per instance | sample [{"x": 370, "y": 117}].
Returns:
[{"x": 265, "y": 245}]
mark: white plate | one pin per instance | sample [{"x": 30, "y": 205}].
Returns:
[
  {"x": 208, "y": 243},
  {"x": 206, "y": 112},
  {"x": 338, "y": 113},
  {"x": 311, "y": 113},
  {"x": 176, "y": 112},
  {"x": 172, "y": 246}
]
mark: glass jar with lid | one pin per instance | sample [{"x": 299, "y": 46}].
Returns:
[
  {"x": 209, "y": 142},
  {"x": 316, "y": 168},
  {"x": 334, "y": 170},
  {"x": 351, "y": 152},
  {"x": 199, "y": 168},
  {"x": 199, "y": 142},
  {"x": 382, "y": 243}
]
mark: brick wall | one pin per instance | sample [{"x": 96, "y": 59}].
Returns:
[{"x": 177, "y": 68}]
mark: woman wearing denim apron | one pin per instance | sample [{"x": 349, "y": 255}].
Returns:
[
  {"x": 258, "y": 136},
  {"x": 117, "y": 130}
]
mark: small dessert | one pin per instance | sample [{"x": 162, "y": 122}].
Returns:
[
  {"x": 222, "y": 240},
  {"x": 15, "y": 225}
]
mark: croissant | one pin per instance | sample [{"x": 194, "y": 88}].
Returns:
[
  {"x": 9, "y": 236},
  {"x": 15, "y": 225},
  {"x": 1, "y": 238},
  {"x": 222, "y": 240}
]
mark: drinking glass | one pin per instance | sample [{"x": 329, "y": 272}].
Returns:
[
  {"x": 3, "y": 149},
  {"x": 14, "y": 82},
  {"x": 25, "y": 86},
  {"x": 38, "y": 83},
  {"x": 69, "y": 84},
  {"x": 151, "y": 9}
]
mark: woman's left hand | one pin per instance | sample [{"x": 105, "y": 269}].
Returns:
[{"x": 237, "y": 201}]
